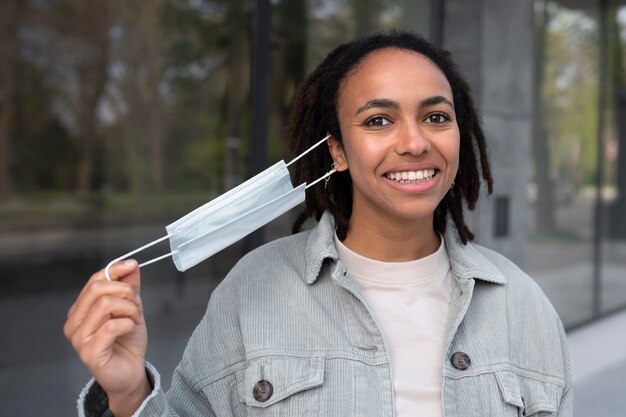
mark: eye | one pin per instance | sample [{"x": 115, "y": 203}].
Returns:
[
  {"x": 437, "y": 118},
  {"x": 378, "y": 121}
]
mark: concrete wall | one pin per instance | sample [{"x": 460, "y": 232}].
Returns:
[{"x": 492, "y": 41}]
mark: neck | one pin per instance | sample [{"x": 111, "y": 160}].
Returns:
[{"x": 391, "y": 240}]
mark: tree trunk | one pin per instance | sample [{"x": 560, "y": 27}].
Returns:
[
  {"x": 293, "y": 34},
  {"x": 237, "y": 64},
  {"x": 153, "y": 38},
  {"x": 8, "y": 92},
  {"x": 366, "y": 13},
  {"x": 93, "y": 79},
  {"x": 545, "y": 219}
]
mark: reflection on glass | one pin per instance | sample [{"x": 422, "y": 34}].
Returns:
[
  {"x": 562, "y": 191},
  {"x": 613, "y": 271}
]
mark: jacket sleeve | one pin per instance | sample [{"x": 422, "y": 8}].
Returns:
[
  {"x": 181, "y": 398},
  {"x": 567, "y": 403},
  {"x": 566, "y": 407}
]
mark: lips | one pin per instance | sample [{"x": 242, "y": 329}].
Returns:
[{"x": 411, "y": 177}]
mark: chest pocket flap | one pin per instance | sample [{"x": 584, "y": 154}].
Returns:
[
  {"x": 270, "y": 379},
  {"x": 531, "y": 396}
]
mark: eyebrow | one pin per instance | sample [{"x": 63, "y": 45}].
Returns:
[
  {"x": 390, "y": 104},
  {"x": 378, "y": 102},
  {"x": 432, "y": 101}
]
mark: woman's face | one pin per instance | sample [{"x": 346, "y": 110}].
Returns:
[{"x": 400, "y": 135}]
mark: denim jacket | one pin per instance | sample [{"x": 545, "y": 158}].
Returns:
[{"x": 288, "y": 333}]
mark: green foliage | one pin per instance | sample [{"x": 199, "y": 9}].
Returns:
[
  {"x": 46, "y": 154},
  {"x": 203, "y": 165},
  {"x": 570, "y": 92}
]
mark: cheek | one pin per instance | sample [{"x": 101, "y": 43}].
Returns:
[
  {"x": 352, "y": 149},
  {"x": 363, "y": 158},
  {"x": 453, "y": 151},
  {"x": 454, "y": 158},
  {"x": 449, "y": 151}
]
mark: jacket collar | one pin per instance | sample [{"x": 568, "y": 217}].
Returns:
[
  {"x": 466, "y": 261},
  {"x": 320, "y": 245}
]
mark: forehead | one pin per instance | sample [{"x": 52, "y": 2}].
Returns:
[{"x": 392, "y": 71}]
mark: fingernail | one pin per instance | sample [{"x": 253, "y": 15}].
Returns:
[
  {"x": 130, "y": 262},
  {"x": 138, "y": 298}
]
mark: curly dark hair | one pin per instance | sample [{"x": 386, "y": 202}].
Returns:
[{"x": 315, "y": 115}]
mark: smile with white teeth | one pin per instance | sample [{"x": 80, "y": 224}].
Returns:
[{"x": 411, "y": 177}]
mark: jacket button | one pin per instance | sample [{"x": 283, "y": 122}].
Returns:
[
  {"x": 460, "y": 361},
  {"x": 262, "y": 391}
]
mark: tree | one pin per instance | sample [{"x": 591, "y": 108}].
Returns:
[
  {"x": 209, "y": 52},
  {"x": 366, "y": 14},
  {"x": 545, "y": 219},
  {"x": 135, "y": 93},
  {"x": 79, "y": 46},
  {"x": 9, "y": 62},
  {"x": 291, "y": 42}
]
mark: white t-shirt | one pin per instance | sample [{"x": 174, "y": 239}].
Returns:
[{"x": 410, "y": 302}]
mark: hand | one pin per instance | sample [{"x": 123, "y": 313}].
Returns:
[{"x": 107, "y": 328}]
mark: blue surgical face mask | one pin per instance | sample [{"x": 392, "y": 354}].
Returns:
[{"x": 231, "y": 216}]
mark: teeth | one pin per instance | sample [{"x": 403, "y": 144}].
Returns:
[{"x": 412, "y": 176}]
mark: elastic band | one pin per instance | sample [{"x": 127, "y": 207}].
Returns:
[
  {"x": 151, "y": 261},
  {"x": 308, "y": 150},
  {"x": 106, "y": 270},
  {"x": 323, "y": 177}
]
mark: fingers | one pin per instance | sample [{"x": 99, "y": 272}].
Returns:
[
  {"x": 96, "y": 351},
  {"x": 125, "y": 285},
  {"x": 91, "y": 294},
  {"x": 105, "y": 312}
]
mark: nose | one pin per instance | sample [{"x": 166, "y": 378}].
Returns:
[{"x": 412, "y": 140}]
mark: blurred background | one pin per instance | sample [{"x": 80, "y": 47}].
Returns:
[{"x": 119, "y": 116}]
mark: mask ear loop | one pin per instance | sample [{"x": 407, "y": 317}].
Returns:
[
  {"x": 106, "y": 270},
  {"x": 309, "y": 150},
  {"x": 323, "y": 177}
]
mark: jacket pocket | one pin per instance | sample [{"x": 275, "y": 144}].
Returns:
[
  {"x": 282, "y": 385},
  {"x": 531, "y": 396}
]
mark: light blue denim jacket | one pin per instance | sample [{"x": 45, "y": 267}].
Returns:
[{"x": 290, "y": 314}]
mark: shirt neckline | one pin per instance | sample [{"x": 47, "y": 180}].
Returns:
[{"x": 392, "y": 274}]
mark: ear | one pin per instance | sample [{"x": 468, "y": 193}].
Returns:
[{"x": 338, "y": 154}]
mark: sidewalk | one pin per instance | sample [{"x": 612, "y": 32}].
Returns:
[{"x": 598, "y": 353}]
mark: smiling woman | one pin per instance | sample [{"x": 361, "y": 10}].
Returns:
[
  {"x": 406, "y": 129},
  {"x": 441, "y": 99},
  {"x": 385, "y": 307}
]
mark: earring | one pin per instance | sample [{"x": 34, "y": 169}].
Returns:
[
  {"x": 332, "y": 169},
  {"x": 452, "y": 185}
]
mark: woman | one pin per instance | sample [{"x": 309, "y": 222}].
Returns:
[{"x": 384, "y": 307}]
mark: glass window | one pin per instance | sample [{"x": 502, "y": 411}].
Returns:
[
  {"x": 562, "y": 190},
  {"x": 612, "y": 271},
  {"x": 575, "y": 195}
]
